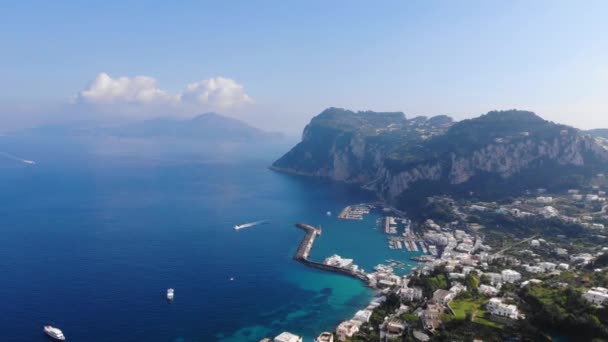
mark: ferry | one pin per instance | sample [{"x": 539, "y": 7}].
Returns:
[
  {"x": 54, "y": 333},
  {"x": 170, "y": 294}
]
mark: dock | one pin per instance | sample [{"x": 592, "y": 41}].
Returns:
[
  {"x": 354, "y": 212},
  {"x": 305, "y": 247}
]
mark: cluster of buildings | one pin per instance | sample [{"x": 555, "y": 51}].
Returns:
[
  {"x": 552, "y": 206},
  {"x": 350, "y": 327},
  {"x": 456, "y": 244},
  {"x": 458, "y": 249},
  {"x": 284, "y": 337},
  {"x": 384, "y": 277}
]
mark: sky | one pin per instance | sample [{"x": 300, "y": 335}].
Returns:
[{"x": 276, "y": 64}]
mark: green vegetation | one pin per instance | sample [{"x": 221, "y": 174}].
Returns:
[
  {"x": 564, "y": 310},
  {"x": 429, "y": 284},
  {"x": 472, "y": 282},
  {"x": 473, "y": 308}
]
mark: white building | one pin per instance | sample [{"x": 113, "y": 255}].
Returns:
[
  {"x": 467, "y": 269},
  {"x": 547, "y": 266},
  {"x": 531, "y": 281},
  {"x": 583, "y": 258},
  {"x": 563, "y": 267},
  {"x": 534, "y": 243},
  {"x": 411, "y": 293},
  {"x": 456, "y": 276},
  {"x": 496, "y": 307},
  {"x": 544, "y": 199},
  {"x": 532, "y": 269},
  {"x": 495, "y": 278},
  {"x": 347, "y": 329},
  {"x": 510, "y": 276},
  {"x": 597, "y": 295},
  {"x": 287, "y": 337},
  {"x": 325, "y": 337},
  {"x": 363, "y": 316},
  {"x": 548, "y": 212},
  {"x": 592, "y": 197},
  {"x": 487, "y": 290},
  {"x": 443, "y": 296},
  {"x": 457, "y": 289}
]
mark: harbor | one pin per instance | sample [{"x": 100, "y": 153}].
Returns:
[
  {"x": 303, "y": 252},
  {"x": 383, "y": 274}
]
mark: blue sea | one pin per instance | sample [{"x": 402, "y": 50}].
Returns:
[{"x": 92, "y": 238}]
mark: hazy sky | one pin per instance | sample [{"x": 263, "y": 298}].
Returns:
[{"x": 278, "y": 63}]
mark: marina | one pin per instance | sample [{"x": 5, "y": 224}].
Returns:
[{"x": 355, "y": 212}]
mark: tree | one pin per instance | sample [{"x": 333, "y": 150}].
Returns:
[{"x": 472, "y": 281}]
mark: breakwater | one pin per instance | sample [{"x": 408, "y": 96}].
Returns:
[{"x": 305, "y": 247}]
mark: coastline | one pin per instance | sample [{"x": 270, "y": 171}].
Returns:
[{"x": 369, "y": 280}]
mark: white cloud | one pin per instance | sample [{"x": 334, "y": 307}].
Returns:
[
  {"x": 123, "y": 90},
  {"x": 217, "y": 93}
]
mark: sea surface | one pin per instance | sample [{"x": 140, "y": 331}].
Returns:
[{"x": 90, "y": 241}]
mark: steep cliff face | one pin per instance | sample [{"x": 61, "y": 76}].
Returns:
[{"x": 389, "y": 154}]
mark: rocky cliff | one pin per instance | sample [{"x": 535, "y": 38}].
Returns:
[{"x": 399, "y": 157}]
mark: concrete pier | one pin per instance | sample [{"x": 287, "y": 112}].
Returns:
[
  {"x": 305, "y": 247},
  {"x": 306, "y": 244}
]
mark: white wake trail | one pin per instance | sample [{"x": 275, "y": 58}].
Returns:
[{"x": 14, "y": 157}]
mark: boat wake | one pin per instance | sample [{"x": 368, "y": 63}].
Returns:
[
  {"x": 13, "y": 157},
  {"x": 250, "y": 224}
]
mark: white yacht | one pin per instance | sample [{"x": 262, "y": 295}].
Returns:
[
  {"x": 54, "y": 332},
  {"x": 170, "y": 294}
]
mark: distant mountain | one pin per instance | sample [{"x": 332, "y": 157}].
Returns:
[
  {"x": 499, "y": 153},
  {"x": 205, "y": 127},
  {"x": 209, "y": 127}
]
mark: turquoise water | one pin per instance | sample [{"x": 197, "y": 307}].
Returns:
[{"x": 90, "y": 243}]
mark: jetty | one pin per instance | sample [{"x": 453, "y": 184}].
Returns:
[{"x": 305, "y": 247}]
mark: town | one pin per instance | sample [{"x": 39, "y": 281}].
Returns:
[{"x": 507, "y": 269}]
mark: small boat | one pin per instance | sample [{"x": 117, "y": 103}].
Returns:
[
  {"x": 54, "y": 333},
  {"x": 231, "y": 278},
  {"x": 328, "y": 213},
  {"x": 170, "y": 294}
]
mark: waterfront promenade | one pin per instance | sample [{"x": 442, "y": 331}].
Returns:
[{"x": 305, "y": 247}]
